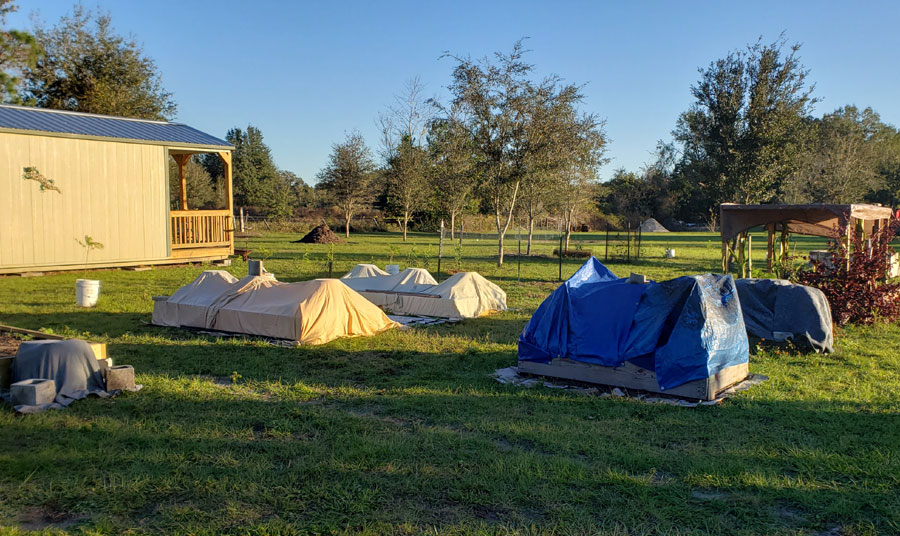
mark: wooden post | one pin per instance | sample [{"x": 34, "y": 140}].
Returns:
[
  {"x": 229, "y": 201},
  {"x": 519, "y": 254},
  {"x": 560, "y": 254},
  {"x": 749, "y": 254},
  {"x": 182, "y": 160},
  {"x": 849, "y": 246},
  {"x": 724, "y": 256},
  {"x": 770, "y": 247},
  {"x": 440, "y": 251}
]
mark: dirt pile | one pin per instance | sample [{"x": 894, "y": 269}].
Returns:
[
  {"x": 652, "y": 226},
  {"x": 320, "y": 235}
]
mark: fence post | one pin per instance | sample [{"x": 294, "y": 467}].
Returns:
[
  {"x": 628, "y": 241},
  {"x": 606, "y": 245},
  {"x": 519, "y": 254},
  {"x": 560, "y": 255},
  {"x": 440, "y": 251}
]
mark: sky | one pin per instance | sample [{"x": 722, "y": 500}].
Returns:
[{"x": 309, "y": 73}]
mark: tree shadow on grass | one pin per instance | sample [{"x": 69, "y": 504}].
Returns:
[{"x": 222, "y": 458}]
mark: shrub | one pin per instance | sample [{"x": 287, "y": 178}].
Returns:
[{"x": 856, "y": 284}]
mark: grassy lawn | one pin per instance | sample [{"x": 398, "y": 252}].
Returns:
[{"x": 407, "y": 433}]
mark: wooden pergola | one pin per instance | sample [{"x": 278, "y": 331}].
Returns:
[{"x": 735, "y": 222}]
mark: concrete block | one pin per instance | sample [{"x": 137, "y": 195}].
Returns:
[
  {"x": 120, "y": 377},
  {"x": 34, "y": 392},
  {"x": 637, "y": 279}
]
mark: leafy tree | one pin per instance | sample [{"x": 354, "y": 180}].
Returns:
[
  {"x": 18, "y": 52},
  {"x": 491, "y": 97},
  {"x": 638, "y": 196},
  {"x": 202, "y": 191},
  {"x": 406, "y": 178},
  {"x": 841, "y": 162},
  {"x": 742, "y": 135},
  {"x": 87, "y": 67},
  {"x": 512, "y": 122},
  {"x": 561, "y": 149},
  {"x": 452, "y": 157},
  {"x": 576, "y": 183},
  {"x": 348, "y": 176},
  {"x": 257, "y": 182}
]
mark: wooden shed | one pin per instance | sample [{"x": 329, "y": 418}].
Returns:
[{"x": 67, "y": 175}]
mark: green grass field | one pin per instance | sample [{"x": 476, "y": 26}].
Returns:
[{"x": 407, "y": 432}]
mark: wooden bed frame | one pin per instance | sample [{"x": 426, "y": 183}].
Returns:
[{"x": 630, "y": 376}]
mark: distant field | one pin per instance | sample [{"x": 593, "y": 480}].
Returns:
[{"x": 407, "y": 433}]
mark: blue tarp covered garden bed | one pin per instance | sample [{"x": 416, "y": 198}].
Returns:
[{"x": 684, "y": 329}]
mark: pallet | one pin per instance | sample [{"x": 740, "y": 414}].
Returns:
[{"x": 630, "y": 376}]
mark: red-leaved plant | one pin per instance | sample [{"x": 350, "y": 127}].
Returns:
[{"x": 856, "y": 282}]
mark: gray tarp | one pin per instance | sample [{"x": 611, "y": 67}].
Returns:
[
  {"x": 777, "y": 310},
  {"x": 70, "y": 363}
]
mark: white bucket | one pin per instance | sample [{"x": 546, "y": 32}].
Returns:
[
  {"x": 86, "y": 292},
  {"x": 670, "y": 253},
  {"x": 392, "y": 269}
]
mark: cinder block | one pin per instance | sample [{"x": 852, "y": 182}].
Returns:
[
  {"x": 637, "y": 279},
  {"x": 34, "y": 392},
  {"x": 120, "y": 377}
]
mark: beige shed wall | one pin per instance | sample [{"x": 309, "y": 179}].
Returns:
[{"x": 114, "y": 192}]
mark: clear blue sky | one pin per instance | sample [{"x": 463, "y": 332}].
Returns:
[{"x": 306, "y": 73}]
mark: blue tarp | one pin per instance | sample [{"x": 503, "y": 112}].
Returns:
[{"x": 685, "y": 329}]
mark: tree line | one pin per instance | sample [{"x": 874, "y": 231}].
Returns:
[
  {"x": 750, "y": 137},
  {"x": 503, "y": 143}
]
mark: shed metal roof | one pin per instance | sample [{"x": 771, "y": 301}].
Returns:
[{"x": 103, "y": 126}]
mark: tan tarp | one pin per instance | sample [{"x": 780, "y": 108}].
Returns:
[
  {"x": 381, "y": 290},
  {"x": 463, "y": 295},
  {"x": 188, "y": 306},
  {"x": 311, "y": 312},
  {"x": 364, "y": 270}
]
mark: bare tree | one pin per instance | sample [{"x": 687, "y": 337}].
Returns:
[
  {"x": 403, "y": 130},
  {"x": 348, "y": 176}
]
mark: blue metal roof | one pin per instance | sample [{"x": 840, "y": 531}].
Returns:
[{"x": 77, "y": 123}]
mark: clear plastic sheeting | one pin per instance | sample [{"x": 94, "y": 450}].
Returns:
[
  {"x": 683, "y": 329},
  {"x": 778, "y": 310}
]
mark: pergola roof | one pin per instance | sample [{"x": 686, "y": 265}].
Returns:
[{"x": 816, "y": 219}]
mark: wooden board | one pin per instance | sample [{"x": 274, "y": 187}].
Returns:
[
  {"x": 630, "y": 376},
  {"x": 99, "y": 348},
  {"x": 5, "y": 371}
]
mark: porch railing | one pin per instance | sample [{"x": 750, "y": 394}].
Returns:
[{"x": 201, "y": 228}]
